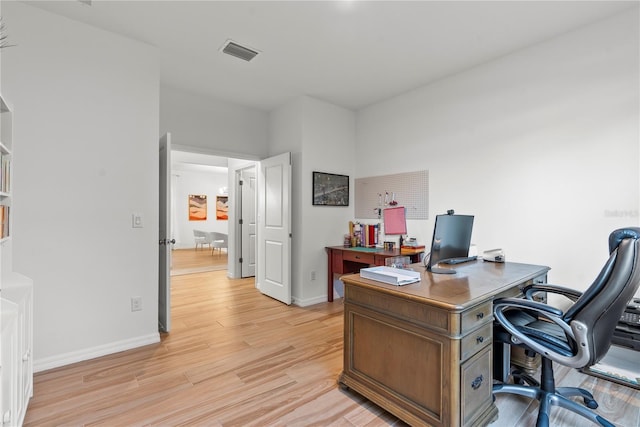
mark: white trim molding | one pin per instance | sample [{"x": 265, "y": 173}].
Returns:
[{"x": 40, "y": 365}]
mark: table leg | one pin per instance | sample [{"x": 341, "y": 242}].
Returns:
[{"x": 329, "y": 276}]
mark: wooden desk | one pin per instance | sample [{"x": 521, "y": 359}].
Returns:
[
  {"x": 424, "y": 351},
  {"x": 342, "y": 260}
]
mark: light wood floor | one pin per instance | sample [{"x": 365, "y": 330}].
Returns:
[
  {"x": 238, "y": 358},
  {"x": 187, "y": 261}
]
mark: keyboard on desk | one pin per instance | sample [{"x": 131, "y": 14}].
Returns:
[
  {"x": 631, "y": 315},
  {"x": 453, "y": 261}
]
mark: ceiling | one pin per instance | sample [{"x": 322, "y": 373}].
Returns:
[{"x": 348, "y": 53}]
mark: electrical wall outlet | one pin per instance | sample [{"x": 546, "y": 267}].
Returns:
[
  {"x": 313, "y": 275},
  {"x": 136, "y": 303}
]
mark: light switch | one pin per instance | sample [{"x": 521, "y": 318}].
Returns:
[{"x": 136, "y": 220}]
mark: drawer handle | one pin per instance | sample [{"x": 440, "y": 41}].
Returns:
[
  {"x": 480, "y": 339},
  {"x": 479, "y": 316},
  {"x": 475, "y": 384}
]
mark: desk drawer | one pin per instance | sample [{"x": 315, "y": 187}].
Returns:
[
  {"x": 475, "y": 341},
  {"x": 476, "y": 316},
  {"x": 361, "y": 257},
  {"x": 476, "y": 387}
]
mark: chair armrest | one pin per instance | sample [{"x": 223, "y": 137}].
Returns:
[
  {"x": 575, "y": 331},
  {"x": 525, "y": 304},
  {"x": 571, "y": 294}
]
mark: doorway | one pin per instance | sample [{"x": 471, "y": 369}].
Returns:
[
  {"x": 190, "y": 167},
  {"x": 276, "y": 179},
  {"x": 246, "y": 193}
]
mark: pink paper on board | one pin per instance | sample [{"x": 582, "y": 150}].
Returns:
[{"x": 395, "y": 220}]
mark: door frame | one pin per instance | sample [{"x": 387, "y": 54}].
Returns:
[
  {"x": 164, "y": 233},
  {"x": 238, "y": 206},
  {"x": 237, "y": 161}
]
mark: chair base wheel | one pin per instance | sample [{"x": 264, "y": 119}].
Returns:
[
  {"x": 558, "y": 399},
  {"x": 590, "y": 403}
]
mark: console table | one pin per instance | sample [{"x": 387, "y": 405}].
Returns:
[
  {"x": 424, "y": 351},
  {"x": 342, "y": 260}
]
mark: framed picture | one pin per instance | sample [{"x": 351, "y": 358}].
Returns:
[
  {"x": 330, "y": 189},
  {"x": 222, "y": 208},
  {"x": 197, "y": 207}
]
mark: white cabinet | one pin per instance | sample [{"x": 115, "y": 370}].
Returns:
[
  {"x": 17, "y": 296},
  {"x": 9, "y": 362}
]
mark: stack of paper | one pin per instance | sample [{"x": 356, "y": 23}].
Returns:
[{"x": 393, "y": 276}]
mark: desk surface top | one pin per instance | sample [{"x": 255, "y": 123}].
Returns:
[
  {"x": 361, "y": 249},
  {"x": 377, "y": 251},
  {"x": 472, "y": 283}
]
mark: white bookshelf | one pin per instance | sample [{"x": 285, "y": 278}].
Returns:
[
  {"x": 6, "y": 142},
  {"x": 16, "y": 298}
]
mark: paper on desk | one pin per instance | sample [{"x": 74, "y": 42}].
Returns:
[{"x": 393, "y": 276}]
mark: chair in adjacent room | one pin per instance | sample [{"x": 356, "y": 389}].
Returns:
[
  {"x": 219, "y": 241},
  {"x": 201, "y": 238},
  {"x": 578, "y": 337}
]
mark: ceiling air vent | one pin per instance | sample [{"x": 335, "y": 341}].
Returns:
[{"x": 234, "y": 49}]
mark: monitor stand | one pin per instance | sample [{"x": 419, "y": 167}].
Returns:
[{"x": 437, "y": 270}]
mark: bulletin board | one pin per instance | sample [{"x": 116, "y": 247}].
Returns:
[{"x": 409, "y": 189}]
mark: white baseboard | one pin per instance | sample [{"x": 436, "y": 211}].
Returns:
[
  {"x": 307, "y": 302},
  {"x": 91, "y": 353}
]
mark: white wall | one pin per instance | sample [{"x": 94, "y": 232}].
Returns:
[
  {"x": 320, "y": 137},
  {"x": 328, "y": 146},
  {"x": 186, "y": 182},
  {"x": 285, "y": 135},
  {"x": 541, "y": 146},
  {"x": 86, "y": 157},
  {"x": 216, "y": 127}
]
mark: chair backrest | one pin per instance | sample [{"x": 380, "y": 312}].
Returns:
[
  {"x": 199, "y": 233},
  {"x": 221, "y": 236},
  {"x": 602, "y": 304}
]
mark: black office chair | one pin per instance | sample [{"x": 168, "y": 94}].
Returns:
[{"x": 579, "y": 337}]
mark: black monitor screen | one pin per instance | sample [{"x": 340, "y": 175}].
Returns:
[{"x": 451, "y": 238}]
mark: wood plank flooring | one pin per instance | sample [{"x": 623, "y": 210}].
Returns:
[
  {"x": 238, "y": 358},
  {"x": 189, "y": 261}
]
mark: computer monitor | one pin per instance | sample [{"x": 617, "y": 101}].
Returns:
[{"x": 451, "y": 239}]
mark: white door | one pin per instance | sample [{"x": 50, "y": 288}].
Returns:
[
  {"x": 164, "y": 279},
  {"x": 248, "y": 224},
  {"x": 274, "y": 228}
]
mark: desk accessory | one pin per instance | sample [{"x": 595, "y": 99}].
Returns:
[
  {"x": 494, "y": 255},
  {"x": 398, "y": 262},
  {"x": 392, "y": 276}
]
